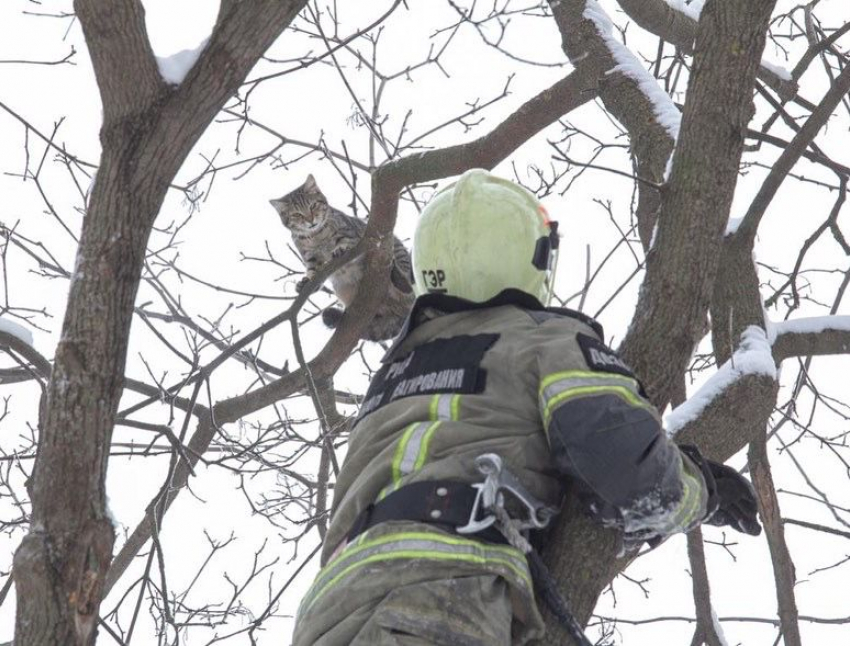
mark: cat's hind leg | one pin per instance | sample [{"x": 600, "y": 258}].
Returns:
[{"x": 331, "y": 316}]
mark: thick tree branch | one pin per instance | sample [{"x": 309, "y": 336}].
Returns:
[
  {"x": 736, "y": 300},
  {"x": 487, "y": 151},
  {"x": 682, "y": 266},
  {"x": 724, "y": 427},
  {"x": 591, "y": 49},
  {"x": 683, "y": 263},
  {"x": 823, "y": 340},
  {"x": 61, "y": 564},
  {"x": 680, "y": 29},
  {"x": 243, "y": 32},
  {"x": 783, "y": 566},
  {"x": 123, "y": 60}
]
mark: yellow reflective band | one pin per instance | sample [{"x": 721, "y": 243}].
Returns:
[
  {"x": 420, "y": 536},
  {"x": 444, "y": 407},
  {"x": 417, "y": 554},
  {"x": 399, "y": 453},
  {"x": 588, "y": 391},
  {"x": 386, "y": 490},
  {"x": 423, "y": 449},
  {"x": 690, "y": 501},
  {"x": 363, "y": 545},
  {"x": 581, "y": 374},
  {"x": 410, "y": 454},
  {"x": 502, "y": 555}
]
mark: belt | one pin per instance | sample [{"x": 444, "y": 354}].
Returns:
[{"x": 446, "y": 504}]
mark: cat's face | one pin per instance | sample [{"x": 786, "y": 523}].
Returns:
[{"x": 304, "y": 209}]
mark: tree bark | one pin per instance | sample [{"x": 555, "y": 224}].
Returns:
[
  {"x": 650, "y": 142},
  {"x": 682, "y": 266},
  {"x": 148, "y": 129},
  {"x": 783, "y": 565}
]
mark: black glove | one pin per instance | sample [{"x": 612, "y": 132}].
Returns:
[
  {"x": 738, "y": 508},
  {"x": 731, "y": 497}
]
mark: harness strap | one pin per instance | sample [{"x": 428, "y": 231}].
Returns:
[
  {"x": 443, "y": 503},
  {"x": 449, "y": 505}
]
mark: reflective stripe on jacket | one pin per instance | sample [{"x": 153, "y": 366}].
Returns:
[
  {"x": 536, "y": 386},
  {"x": 371, "y": 548}
]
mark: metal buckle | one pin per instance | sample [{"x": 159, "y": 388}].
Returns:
[
  {"x": 498, "y": 479},
  {"x": 473, "y": 525}
]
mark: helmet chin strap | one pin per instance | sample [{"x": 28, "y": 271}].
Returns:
[
  {"x": 550, "y": 277},
  {"x": 546, "y": 257}
]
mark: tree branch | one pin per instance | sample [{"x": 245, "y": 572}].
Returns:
[
  {"x": 123, "y": 60},
  {"x": 783, "y": 566},
  {"x": 680, "y": 29},
  {"x": 682, "y": 266},
  {"x": 782, "y": 166},
  {"x": 706, "y": 632},
  {"x": 791, "y": 342},
  {"x": 592, "y": 49}
]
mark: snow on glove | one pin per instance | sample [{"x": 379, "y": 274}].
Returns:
[{"x": 738, "y": 508}]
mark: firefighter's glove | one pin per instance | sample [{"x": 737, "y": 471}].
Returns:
[
  {"x": 731, "y": 497},
  {"x": 738, "y": 508}
]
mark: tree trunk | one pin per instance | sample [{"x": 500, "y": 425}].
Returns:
[
  {"x": 682, "y": 266},
  {"x": 148, "y": 130},
  {"x": 60, "y": 565}
]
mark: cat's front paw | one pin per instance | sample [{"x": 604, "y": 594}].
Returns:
[
  {"x": 332, "y": 316},
  {"x": 301, "y": 284}
]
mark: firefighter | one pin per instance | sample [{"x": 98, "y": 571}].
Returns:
[{"x": 488, "y": 398}]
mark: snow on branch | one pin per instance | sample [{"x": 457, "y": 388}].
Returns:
[
  {"x": 629, "y": 65},
  {"x": 691, "y": 8},
  {"x": 808, "y": 325},
  {"x": 753, "y": 356},
  {"x": 174, "y": 68},
  {"x": 718, "y": 629},
  {"x": 675, "y": 21},
  {"x": 777, "y": 69},
  {"x": 816, "y": 335},
  {"x": 16, "y": 330}
]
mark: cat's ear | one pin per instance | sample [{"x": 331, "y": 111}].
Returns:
[{"x": 310, "y": 185}]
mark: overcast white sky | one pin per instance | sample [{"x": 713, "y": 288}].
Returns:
[{"x": 236, "y": 218}]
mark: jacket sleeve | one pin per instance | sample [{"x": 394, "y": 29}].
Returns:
[{"x": 608, "y": 439}]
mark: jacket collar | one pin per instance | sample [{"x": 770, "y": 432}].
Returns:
[{"x": 445, "y": 304}]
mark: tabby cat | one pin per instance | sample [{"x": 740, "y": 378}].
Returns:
[{"x": 322, "y": 233}]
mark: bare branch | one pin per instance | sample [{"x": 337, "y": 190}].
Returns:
[
  {"x": 783, "y": 566},
  {"x": 792, "y": 153}
]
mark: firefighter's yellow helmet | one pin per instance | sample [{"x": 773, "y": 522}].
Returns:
[{"x": 481, "y": 235}]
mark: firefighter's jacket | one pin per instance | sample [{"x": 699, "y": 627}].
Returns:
[{"x": 535, "y": 385}]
